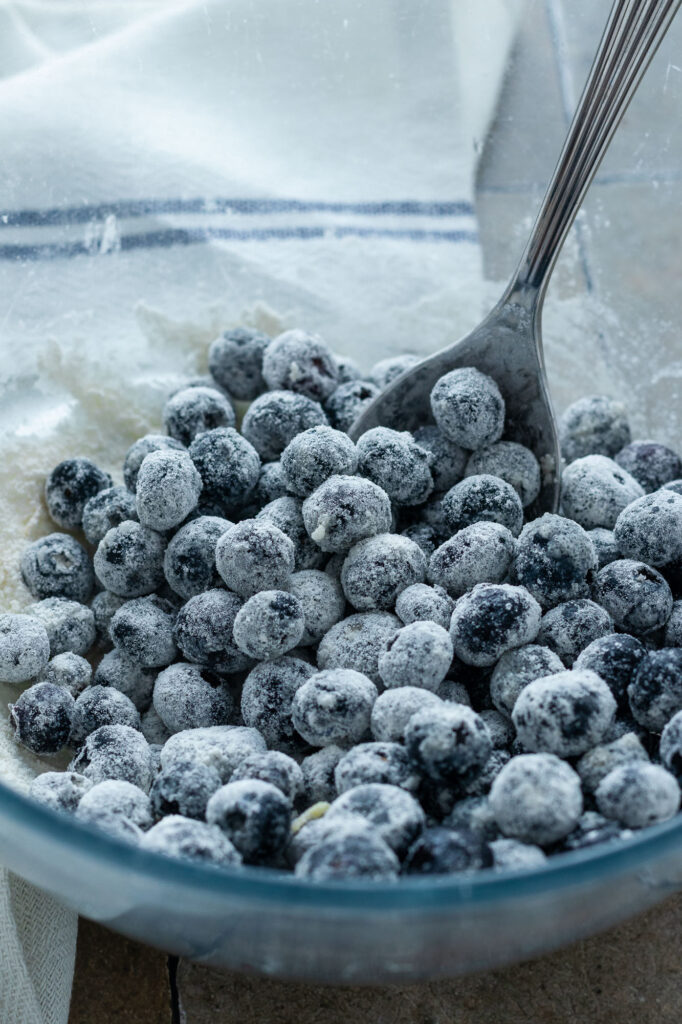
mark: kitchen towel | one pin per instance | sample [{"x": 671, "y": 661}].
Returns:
[{"x": 174, "y": 166}]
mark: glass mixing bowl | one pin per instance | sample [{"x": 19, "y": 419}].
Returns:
[{"x": 115, "y": 276}]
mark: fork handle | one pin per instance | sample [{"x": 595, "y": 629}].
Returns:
[{"x": 631, "y": 37}]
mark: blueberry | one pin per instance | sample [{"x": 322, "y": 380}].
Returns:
[
  {"x": 185, "y": 699},
  {"x": 98, "y": 706},
  {"x": 168, "y": 489},
  {"x": 594, "y": 425},
  {"x": 68, "y": 488},
  {"x": 651, "y": 464},
  {"x": 300, "y": 362},
  {"x": 193, "y": 410},
  {"x": 116, "y": 752},
  {"x": 396, "y": 463},
  {"x": 138, "y": 451},
  {"x": 318, "y": 769},
  {"x": 344, "y": 510},
  {"x": 24, "y": 648},
  {"x": 568, "y": 628},
  {"x": 274, "y": 767},
  {"x": 592, "y": 828},
  {"x": 70, "y": 625},
  {"x": 349, "y": 401},
  {"x": 357, "y": 854},
  {"x": 104, "y": 605},
  {"x": 671, "y": 745},
  {"x": 536, "y": 798},
  {"x": 189, "y": 562},
  {"x": 511, "y": 855},
  {"x": 516, "y": 669},
  {"x": 596, "y": 763},
  {"x": 479, "y": 553},
  {"x": 448, "y": 459},
  {"x": 468, "y": 408},
  {"x": 555, "y": 560},
  {"x": 638, "y": 795},
  {"x": 42, "y": 717},
  {"x": 129, "y": 560},
  {"x": 605, "y": 546},
  {"x": 673, "y": 627},
  {"x": 655, "y": 693},
  {"x": 287, "y": 515},
  {"x": 270, "y": 484},
  {"x": 333, "y": 706},
  {"x": 183, "y": 788},
  {"x": 422, "y": 603},
  {"x": 387, "y": 370},
  {"x": 448, "y": 741},
  {"x": 142, "y": 629},
  {"x": 393, "y": 709},
  {"x": 118, "y": 797},
  {"x": 418, "y": 655},
  {"x": 254, "y": 816},
  {"x": 424, "y": 535},
  {"x": 70, "y": 671},
  {"x": 650, "y": 529},
  {"x": 564, "y": 714},
  {"x": 269, "y": 624},
  {"x": 595, "y": 490},
  {"x": 313, "y": 456},
  {"x": 229, "y": 467},
  {"x": 322, "y": 602},
  {"x": 274, "y": 419},
  {"x": 377, "y": 569},
  {"x": 357, "y": 641},
  {"x": 62, "y": 791},
  {"x": 482, "y": 498},
  {"x": 235, "y": 360},
  {"x": 512, "y": 463},
  {"x": 615, "y": 658},
  {"x": 267, "y": 697},
  {"x": 57, "y": 566},
  {"x": 255, "y": 555},
  {"x": 222, "y": 747},
  {"x": 636, "y": 596},
  {"x": 492, "y": 619},
  {"x": 444, "y": 851},
  {"x": 392, "y": 813},
  {"x": 204, "y": 630},
  {"x": 186, "y": 839},
  {"x": 132, "y": 680},
  {"x": 376, "y": 762}
]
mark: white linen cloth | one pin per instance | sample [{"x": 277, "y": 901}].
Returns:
[{"x": 221, "y": 159}]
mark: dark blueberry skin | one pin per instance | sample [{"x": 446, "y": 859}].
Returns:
[
  {"x": 107, "y": 508},
  {"x": 42, "y": 718},
  {"x": 138, "y": 451},
  {"x": 592, "y": 829},
  {"x": 652, "y": 464},
  {"x": 68, "y": 488},
  {"x": 615, "y": 658},
  {"x": 657, "y": 685},
  {"x": 443, "y": 851},
  {"x": 235, "y": 361},
  {"x": 346, "y": 403},
  {"x": 183, "y": 788},
  {"x": 228, "y": 465},
  {"x": 203, "y": 631},
  {"x": 57, "y": 566},
  {"x": 194, "y": 410},
  {"x": 255, "y": 816}
]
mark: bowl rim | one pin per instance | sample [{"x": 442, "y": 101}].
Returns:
[{"x": 267, "y": 885}]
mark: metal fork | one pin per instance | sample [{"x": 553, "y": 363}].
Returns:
[{"x": 507, "y": 344}]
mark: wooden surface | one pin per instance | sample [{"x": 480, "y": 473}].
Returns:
[{"x": 629, "y": 975}]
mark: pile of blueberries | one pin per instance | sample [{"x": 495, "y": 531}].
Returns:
[{"x": 355, "y": 660}]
